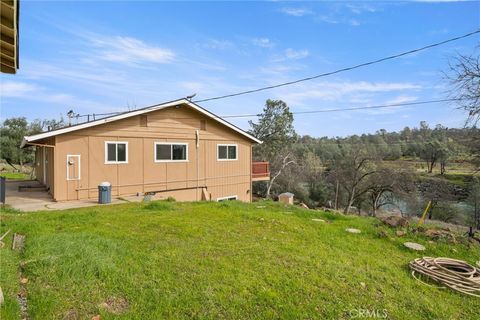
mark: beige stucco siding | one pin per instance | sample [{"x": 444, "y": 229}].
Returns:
[{"x": 182, "y": 180}]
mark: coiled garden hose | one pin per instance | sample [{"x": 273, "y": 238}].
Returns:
[{"x": 455, "y": 274}]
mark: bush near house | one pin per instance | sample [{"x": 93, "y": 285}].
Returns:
[{"x": 225, "y": 260}]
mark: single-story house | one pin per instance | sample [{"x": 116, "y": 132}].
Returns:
[{"x": 175, "y": 149}]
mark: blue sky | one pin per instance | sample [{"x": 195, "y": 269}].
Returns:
[{"x": 96, "y": 57}]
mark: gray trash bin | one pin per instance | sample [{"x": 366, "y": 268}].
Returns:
[{"x": 104, "y": 192}]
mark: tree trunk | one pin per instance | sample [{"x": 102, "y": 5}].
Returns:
[
  {"x": 350, "y": 201},
  {"x": 270, "y": 183},
  {"x": 269, "y": 187},
  {"x": 476, "y": 219},
  {"x": 442, "y": 168},
  {"x": 336, "y": 196},
  {"x": 375, "y": 204}
]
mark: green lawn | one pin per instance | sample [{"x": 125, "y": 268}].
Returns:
[
  {"x": 15, "y": 175},
  {"x": 219, "y": 261}
]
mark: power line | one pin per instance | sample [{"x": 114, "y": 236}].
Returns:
[
  {"x": 306, "y": 112},
  {"x": 343, "y": 69},
  {"x": 352, "y": 109}
]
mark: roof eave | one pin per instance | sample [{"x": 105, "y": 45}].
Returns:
[{"x": 47, "y": 134}]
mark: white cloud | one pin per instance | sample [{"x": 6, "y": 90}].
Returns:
[
  {"x": 296, "y": 54},
  {"x": 327, "y": 19},
  {"x": 263, "y": 42},
  {"x": 279, "y": 70},
  {"x": 16, "y": 89},
  {"x": 218, "y": 44},
  {"x": 291, "y": 54},
  {"x": 192, "y": 86},
  {"x": 31, "y": 91},
  {"x": 402, "y": 99},
  {"x": 296, "y": 12},
  {"x": 130, "y": 50},
  {"x": 353, "y": 92},
  {"x": 359, "y": 8},
  {"x": 439, "y": 1},
  {"x": 354, "y": 22},
  {"x": 397, "y": 100}
]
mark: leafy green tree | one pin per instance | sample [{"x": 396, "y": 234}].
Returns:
[
  {"x": 275, "y": 129},
  {"x": 12, "y": 132}
]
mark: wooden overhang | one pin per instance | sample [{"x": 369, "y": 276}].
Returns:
[{"x": 9, "y": 36}]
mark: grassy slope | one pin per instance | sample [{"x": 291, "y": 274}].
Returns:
[{"x": 220, "y": 260}]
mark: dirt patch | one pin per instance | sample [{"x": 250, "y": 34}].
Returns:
[
  {"x": 436, "y": 234},
  {"x": 115, "y": 305}
]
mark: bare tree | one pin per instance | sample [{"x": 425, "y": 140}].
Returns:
[
  {"x": 352, "y": 167},
  {"x": 385, "y": 184},
  {"x": 464, "y": 76}
]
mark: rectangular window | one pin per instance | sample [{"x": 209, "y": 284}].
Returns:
[
  {"x": 116, "y": 152},
  {"x": 166, "y": 151},
  {"x": 229, "y": 198},
  {"x": 226, "y": 152}
]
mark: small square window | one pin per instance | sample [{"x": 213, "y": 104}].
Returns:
[
  {"x": 164, "y": 152},
  {"x": 116, "y": 152},
  {"x": 222, "y": 152},
  {"x": 227, "y": 152},
  {"x": 232, "y": 152},
  {"x": 121, "y": 152},
  {"x": 179, "y": 152},
  {"x": 112, "y": 152}
]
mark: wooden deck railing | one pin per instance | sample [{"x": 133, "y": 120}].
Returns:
[{"x": 260, "y": 171}]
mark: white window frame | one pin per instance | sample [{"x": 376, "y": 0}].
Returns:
[
  {"x": 235, "y": 197},
  {"x": 79, "y": 167},
  {"x": 116, "y": 151},
  {"x": 171, "y": 151},
  {"x": 227, "y": 145}
]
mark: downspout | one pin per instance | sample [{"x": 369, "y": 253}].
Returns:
[
  {"x": 197, "y": 145},
  {"x": 44, "y": 159}
]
